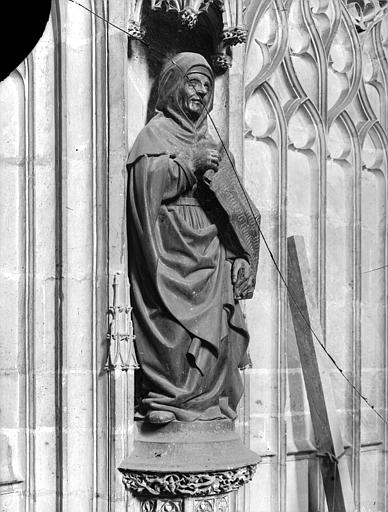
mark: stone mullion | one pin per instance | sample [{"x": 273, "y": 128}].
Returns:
[
  {"x": 99, "y": 248},
  {"x": 236, "y": 107},
  {"x": 385, "y": 411},
  {"x": 30, "y": 394},
  {"x": 235, "y": 126},
  {"x": 100, "y": 63},
  {"x": 274, "y": 208},
  {"x": 119, "y": 406},
  {"x": 356, "y": 247},
  {"x": 321, "y": 60},
  {"x": 58, "y": 79},
  {"x": 382, "y": 56},
  {"x": 235, "y": 121},
  {"x": 356, "y": 441},
  {"x": 42, "y": 246},
  {"x": 282, "y": 312},
  {"x": 370, "y": 437},
  {"x": 280, "y": 253},
  {"x": 79, "y": 246},
  {"x": 268, "y": 71},
  {"x": 13, "y": 276}
]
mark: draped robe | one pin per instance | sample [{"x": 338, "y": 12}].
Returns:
[{"x": 191, "y": 337}]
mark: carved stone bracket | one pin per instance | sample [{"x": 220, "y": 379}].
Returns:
[
  {"x": 200, "y": 463},
  {"x": 231, "y": 36},
  {"x": 221, "y": 61},
  {"x": 187, "y": 484},
  {"x": 234, "y": 35},
  {"x": 135, "y": 30}
]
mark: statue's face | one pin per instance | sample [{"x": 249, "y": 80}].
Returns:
[{"x": 196, "y": 94}]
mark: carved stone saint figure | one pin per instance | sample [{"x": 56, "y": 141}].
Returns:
[{"x": 193, "y": 250}]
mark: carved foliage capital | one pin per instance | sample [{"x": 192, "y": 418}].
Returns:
[
  {"x": 230, "y": 32},
  {"x": 234, "y": 35},
  {"x": 143, "y": 484},
  {"x": 221, "y": 62},
  {"x": 188, "y": 10}
]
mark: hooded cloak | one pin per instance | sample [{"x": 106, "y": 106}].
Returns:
[{"x": 191, "y": 336}]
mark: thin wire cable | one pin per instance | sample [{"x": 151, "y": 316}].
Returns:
[
  {"x": 101, "y": 17},
  {"x": 374, "y": 269},
  {"x": 290, "y": 293}
]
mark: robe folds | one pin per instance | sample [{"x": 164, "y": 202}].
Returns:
[
  {"x": 191, "y": 336},
  {"x": 190, "y": 332}
]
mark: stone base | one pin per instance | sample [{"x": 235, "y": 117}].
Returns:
[{"x": 187, "y": 459}]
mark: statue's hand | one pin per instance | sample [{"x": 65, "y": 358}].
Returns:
[
  {"x": 205, "y": 159},
  {"x": 242, "y": 278}
]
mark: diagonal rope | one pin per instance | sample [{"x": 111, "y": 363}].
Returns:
[
  {"x": 374, "y": 269},
  {"x": 289, "y": 291}
]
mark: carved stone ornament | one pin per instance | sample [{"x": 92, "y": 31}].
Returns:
[
  {"x": 222, "y": 504},
  {"x": 135, "y": 31},
  {"x": 188, "y": 10},
  {"x": 234, "y": 35},
  {"x": 221, "y": 61},
  {"x": 120, "y": 336},
  {"x": 218, "y": 503},
  {"x": 155, "y": 505},
  {"x": 187, "y": 485},
  {"x": 187, "y": 460},
  {"x": 366, "y": 13},
  {"x": 230, "y": 13}
]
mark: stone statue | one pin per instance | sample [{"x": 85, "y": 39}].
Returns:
[{"x": 193, "y": 251}]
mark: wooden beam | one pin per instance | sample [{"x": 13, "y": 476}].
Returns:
[{"x": 316, "y": 368}]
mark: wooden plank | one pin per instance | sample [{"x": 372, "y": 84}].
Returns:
[{"x": 316, "y": 368}]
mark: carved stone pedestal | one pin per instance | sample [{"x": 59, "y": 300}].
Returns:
[
  {"x": 224, "y": 503},
  {"x": 188, "y": 467}
]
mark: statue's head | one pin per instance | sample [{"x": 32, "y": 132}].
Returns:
[
  {"x": 186, "y": 88},
  {"x": 196, "y": 93}
]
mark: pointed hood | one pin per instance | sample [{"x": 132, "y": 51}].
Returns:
[
  {"x": 171, "y": 83},
  {"x": 171, "y": 131}
]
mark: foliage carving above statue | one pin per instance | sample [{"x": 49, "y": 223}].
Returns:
[{"x": 222, "y": 21}]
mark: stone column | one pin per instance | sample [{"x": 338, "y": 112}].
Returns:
[{"x": 12, "y": 185}]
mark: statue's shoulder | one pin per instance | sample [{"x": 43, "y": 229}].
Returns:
[
  {"x": 150, "y": 139},
  {"x": 154, "y": 126}
]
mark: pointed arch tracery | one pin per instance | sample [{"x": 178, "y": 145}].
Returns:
[{"x": 326, "y": 63}]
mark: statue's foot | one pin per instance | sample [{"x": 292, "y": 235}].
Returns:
[{"x": 160, "y": 417}]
